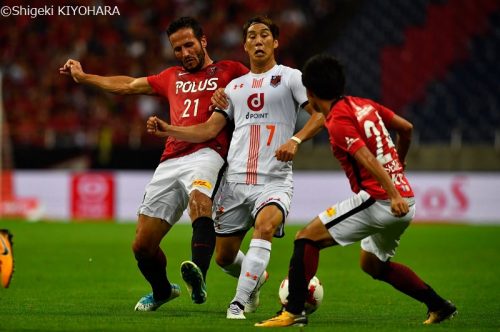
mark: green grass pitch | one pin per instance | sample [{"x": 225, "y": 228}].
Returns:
[{"x": 83, "y": 277}]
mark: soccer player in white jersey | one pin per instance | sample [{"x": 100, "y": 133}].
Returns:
[{"x": 259, "y": 186}]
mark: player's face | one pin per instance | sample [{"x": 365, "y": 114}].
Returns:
[
  {"x": 188, "y": 49},
  {"x": 260, "y": 43}
]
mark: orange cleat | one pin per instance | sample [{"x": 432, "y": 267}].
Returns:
[{"x": 6, "y": 257}]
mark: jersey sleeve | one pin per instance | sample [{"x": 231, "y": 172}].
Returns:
[
  {"x": 158, "y": 82},
  {"x": 385, "y": 113},
  {"x": 229, "y": 111},
  {"x": 346, "y": 135},
  {"x": 298, "y": 89}
]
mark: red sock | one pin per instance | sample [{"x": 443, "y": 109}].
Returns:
[{"x": 405, "y": 280}]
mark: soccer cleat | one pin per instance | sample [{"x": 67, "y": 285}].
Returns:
[
  {"x": 148, "y": 303},
  {"x": 194, "y": 281},
  {"x": 446, "y": 312},
  {"x": 235, "y": 311},
  {"x": 6, "y": 258},
  {"x": 254, "y": 300},
  {"x": 283, "y": 319}
]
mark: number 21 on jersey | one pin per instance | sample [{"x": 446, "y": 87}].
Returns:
[{"x": 188, "y": 110}]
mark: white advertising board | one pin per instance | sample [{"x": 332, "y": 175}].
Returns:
[{"x": 440, "y": 197}]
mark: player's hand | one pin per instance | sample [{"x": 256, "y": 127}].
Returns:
[
  {"x": 399, "y": 206},
  {"x": 156, "y": 127},
  {"x": 219, "y": 99},
  {"x": 287, "y": 151},
  {"x": 72, "y": 68}
]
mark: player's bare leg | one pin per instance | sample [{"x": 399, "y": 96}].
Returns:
[
  {"x": 194, "y": 272},
  {"x": 152, "y": 262},
  {"x": 408, "y": 282},
  {"x": 228, "y": 254}
]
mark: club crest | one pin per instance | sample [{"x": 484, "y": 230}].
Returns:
[
  {"x": 211, "y": 71},
  {"x": 275, "y": 80}
]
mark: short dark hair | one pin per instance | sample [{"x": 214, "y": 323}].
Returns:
[
  {"x": 185, "y": 22},
  {"x": 275, "y": 30},
  {"x": 324, "y": 76}
]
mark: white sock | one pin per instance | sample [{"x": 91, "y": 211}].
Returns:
[
  {"x": 234, "y": 269},
  {"x": 254, "y": 264}
]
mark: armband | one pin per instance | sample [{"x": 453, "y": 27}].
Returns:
[{"x": 296, "y": 139}]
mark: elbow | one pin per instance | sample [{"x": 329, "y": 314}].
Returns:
[
  {"x": 403, "y": 127},
  {"x": 406, "y": 131}
]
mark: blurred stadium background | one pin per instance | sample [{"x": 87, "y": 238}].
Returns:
[{"x": 434, "y": 62}]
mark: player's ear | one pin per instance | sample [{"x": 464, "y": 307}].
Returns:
[
  {"x": 276, "y": 44},
  {"x": 203, "y": 41}
]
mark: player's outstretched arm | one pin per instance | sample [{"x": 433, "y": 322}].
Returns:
[
  {"x": 124, "y": 85},
  {"x": 287, "y": 151},
  {"x": 399, "y": 206},
  {"x": 194, "y": 134}
]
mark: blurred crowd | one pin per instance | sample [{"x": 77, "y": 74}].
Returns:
[{"x": 47, "y": 110}]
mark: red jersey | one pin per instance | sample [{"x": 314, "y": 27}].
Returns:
[
  {"x": 189, "y": 97},
  {"x": 356, "y": 122}
]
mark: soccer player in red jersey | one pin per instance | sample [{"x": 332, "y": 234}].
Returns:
[
  {"x": 382, "y": 206},
  {"x": 188, "y": 173}
]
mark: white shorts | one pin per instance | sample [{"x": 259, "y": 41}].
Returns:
[
  {"x": 361, "y": 217},
  {"x": 167, "y": 195},
  {"x": 237, "y": 205}
]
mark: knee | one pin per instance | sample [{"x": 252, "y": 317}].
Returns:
[
  {"x": 266, "y": 230},
  {"x": 302, "y": 234},
  {"x": 142, "y": 250},
  {"x": 373, "y": 267},
  {"x": 200, "y": 205},
  {"x": 224, "y": 259}
]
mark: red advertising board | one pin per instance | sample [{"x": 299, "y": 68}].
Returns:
[{"x": 93, "y": 196}]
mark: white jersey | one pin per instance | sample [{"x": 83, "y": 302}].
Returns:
[{"x": 264, "y": 109}]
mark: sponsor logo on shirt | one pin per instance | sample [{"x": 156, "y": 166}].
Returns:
[
  {"x": 361, "y": 112},
  {"x": 256, "y": 103},
  {"x": 350, "y": 141},
  {"x": 208, "y": 84}
]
